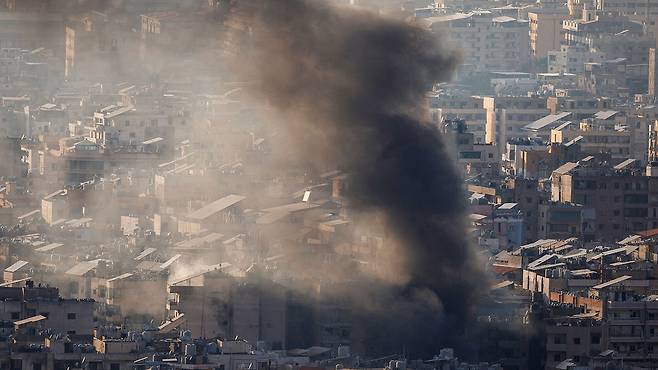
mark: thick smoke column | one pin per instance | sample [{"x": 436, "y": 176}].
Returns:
[{"x": 354, "y": 84}]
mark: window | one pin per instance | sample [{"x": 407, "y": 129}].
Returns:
[
  {"x": 15, "y": 315},
  {"x": 576, "y": 340},
  {"x": 595, "y": 339},
  {"x": 127, "y": 123},
  {"x": 115, "y": 366},
  {"x": 71, "y": 316}
]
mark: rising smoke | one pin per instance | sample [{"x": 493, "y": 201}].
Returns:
[{"x": 351, "y": 86}]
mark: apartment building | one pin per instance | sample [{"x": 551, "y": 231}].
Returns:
[
  {"x": 593, "y": 29},
  {"x": 606, "y": 132},
  {"x": 546, "y": 30},
  {"x": 576, "y": 337},
  {"x": 507, "y": 115},
  {"x": 474, "y": 159},
  {"x": 218, "y": 304},
  {"x": 565, "y": 220},
  {"x": 572, "y": 59},
  {"x": 488, "y": 42},
  {"x": 578, "y": 103},
  {"x": 470, "y": 109},
  {"x": 631, "y": 324},
  {"x": 42, "y": 303},
  {"x": 623, "y": 199},
  {"x": 540, "y": 160},
  {"x": 644, "y": 8},
  {"x": 118, "y": 125}
]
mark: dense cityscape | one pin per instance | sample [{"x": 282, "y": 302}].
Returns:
[{"x": 328, "y": 184}]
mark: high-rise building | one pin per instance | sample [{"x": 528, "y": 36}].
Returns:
[{"x": 545, "y": 30}]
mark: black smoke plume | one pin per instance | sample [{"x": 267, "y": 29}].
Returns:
[{"x": 351, "y": 86}]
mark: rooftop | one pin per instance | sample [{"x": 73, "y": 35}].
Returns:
[{"x": 215, "y": 207}]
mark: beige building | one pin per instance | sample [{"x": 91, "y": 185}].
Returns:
[
  {"x": 138, "y": 294},
  {"x": 488, "y": 43},
  {"x": 629, "y": 7},
  {"x": 467, "y": 108},
  {"x": 70, "y": 316},
  {"x": 606, "y": 132},
  {"x": 506, "y": 116},
  {"x": 545, "y": 30},
  {"x": 215, "y": 303},
  {"x": 220, "y": 214},
  {"x": 574, "y": 338}
]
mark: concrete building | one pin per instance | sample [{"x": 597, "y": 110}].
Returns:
[
  {"x": 67, "y": 316},
  {"x": 575, "y": 338},
  {"x": 603, "y": 133},
  {"x": 137, "y": 294},
  {"x": 99, "y": 47},
  {"x": 572, "y": 59},
  {"x": 578, "y": 103},
  {"x": 622, "y": 198},
  {"x": 508, "y": 226},
  {"x": 506, "y": 116},
  {"x": 218, "y": 304},
  {"x": 593, "y": 29},
  {"x": 560, "y": 221},
  {"x": 467, "y": 108},
  {"x": 488, "y": 42},
  {"x": 217, "y": 215},
  {"x": 546, "y": 30},
  {"x": 473, "y": 159},
  {"x": 645, "y": 8},
  {"x": 540, "y": 160}
]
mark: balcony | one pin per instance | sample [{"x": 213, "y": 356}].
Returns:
[
  {"x": 626, "y": 339},
  {"x": 626, "y": 321}
]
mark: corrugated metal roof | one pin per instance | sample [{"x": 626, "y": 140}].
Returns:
[
  {"x": 153, "y": 141},
  {"x": 30, "y": 320},
  {"x": 606, "y": 114},
  {"x": 546, "y": 121},
  {"x": 120, "y": 277},
  {"x": 215, "y": 207},
  {"x": 16, "y": 266},
  {"x": 625, "y": 164},
  {"x": 49, "y": 247},
  {"x": 612, "y": 282},
  {"x": 566, "y": 168},
  {"x": 170, "y": 261},
  {"x": 82, "y": 268},
  {"x": 145, "y": 253}
]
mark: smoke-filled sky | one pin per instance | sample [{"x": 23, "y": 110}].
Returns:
[{"x": 350, "y": 87}]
